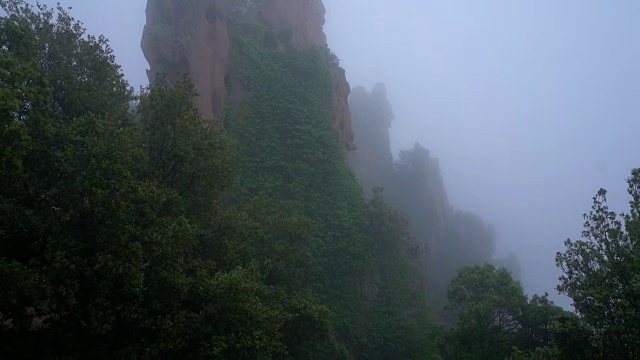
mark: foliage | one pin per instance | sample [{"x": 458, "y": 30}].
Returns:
[
  {"x": 497, "y": 321},
  {"x": 488, "y": 303},
  {"x": 334, "y": 60},
  {"x": 109, "y": 224},
  {"x": 535, "y": 320},
  {"x": 537, "y": 354},
  {"x": 146, "y": 232},
  {"x": 180, "y": 143},
  {"x": 601, "y": 273},
  {"x": 401, "y": 325},
  {"x": 572, "y": 337},
  {"x": 290, "y": 154},
  {"x": 277, "y": 244},
  {"x": 120, "y": 237}
]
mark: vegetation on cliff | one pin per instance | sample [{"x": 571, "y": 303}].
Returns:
[
  {"x": 291, "y": 156},
  {"x": 132, "y": 228}
]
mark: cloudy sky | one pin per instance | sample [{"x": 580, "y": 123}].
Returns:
[{"x": 530, "y": 105}]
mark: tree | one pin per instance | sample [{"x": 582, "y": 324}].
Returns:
[
  {"x": 535, "y": 317},
  {"x": 80, "y": 69},
  {"x": 104, "y": 253},
  {"x": 572, "y": 337},
  {"x": 398, "y": 323},
  {"x": 537, "y": 354},
  {"x": 496, "y": 320},
  {"x": 488, "y": 303},
  {"x": 601, "y": 273},
  {"x": 63, "y": 166},
  {"x": 185, "y": 151}
]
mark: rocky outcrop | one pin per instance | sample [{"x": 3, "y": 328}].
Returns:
[
  {"x": 417, "y": 186},
  {"x": 371, "y": 118},
  {"x": 303, "y": 19},
  {"x": 192, "y": 37},
  {"x": 341, "y": 111},
  {"x": 189, "y": 38},
  {"x": 413, "y": 183}
]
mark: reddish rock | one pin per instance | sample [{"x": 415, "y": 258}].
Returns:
[
  {"x": 304, "y": 18},
  {"x": 372, "y": 115},
  {"x": 192, "y": 37},
  {"x": 340, "y": 103},
  {"x": 179, "y": 39}
]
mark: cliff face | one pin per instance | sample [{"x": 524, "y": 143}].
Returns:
[
  {"x": 192, "y": 37},
  {"x": 416, "y": 186},
  {"x": 304, "y": 19},
  {"x": 413, "y": 184},
  {"x": 413, "y": 181},
  {"x": 372, "y": 115}
]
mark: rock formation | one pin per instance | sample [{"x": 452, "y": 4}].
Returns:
[
  {"x": 192, "y": 37},
  {"x": 189, "y": 38},
  {"x": 413, "y": 183},
  {"x": 304, "y": 19},
  {"x": 372, "y": 115}
]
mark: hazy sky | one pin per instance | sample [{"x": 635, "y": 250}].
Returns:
[
  {"x": 520, "y": 100},
  {"x": 524, "y": 102}
]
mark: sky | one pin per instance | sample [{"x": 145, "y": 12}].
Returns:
[{"x": 530, "y": 105}]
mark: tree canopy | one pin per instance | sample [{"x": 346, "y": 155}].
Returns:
[{"x": 601, "y": 274}]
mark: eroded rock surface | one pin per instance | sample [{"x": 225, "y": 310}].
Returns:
[
  {"x": 192, "y": 37},
  {"x": 303, "y": 18},
  {"x": 372, "y": 115},
  {"x": 189, "y": 37}
]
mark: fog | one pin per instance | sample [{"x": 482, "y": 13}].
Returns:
[{"x": 530, "y": 105}]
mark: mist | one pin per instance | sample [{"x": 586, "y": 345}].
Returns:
[{"x": 529, "y": 105}]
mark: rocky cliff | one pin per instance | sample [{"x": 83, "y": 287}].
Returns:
[
  {"x": 189, "y": 38},
  {"x": 412, "y": 182},
  {"x": 372, "y": 115},
  {"x": 192, "y": 37}
]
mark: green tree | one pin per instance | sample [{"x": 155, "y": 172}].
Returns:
[
  {"x": 548, "y": 332},
  {"x": 601, "y": 273},
  {"x": 497, "y": 321},
  {"x": 488, "y": 303},
  {"x": 276, "y": 241},
  {"x": 399, "y": 323},
  {"x": 572, "y": 337},
  {"x": 186, "y": 153},
  {"x": 104, "y": 253},
  {"x": 50, "y": 143},
  {"x": 535, "y": 317},
  {"x": 537, "y": 354}
]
